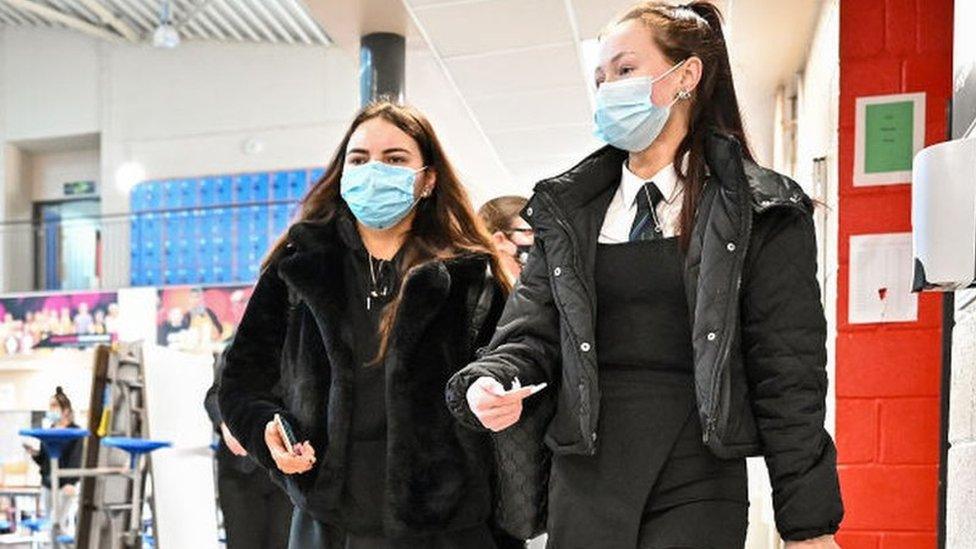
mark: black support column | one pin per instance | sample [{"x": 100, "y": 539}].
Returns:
[{"x": 382, "y": 59}]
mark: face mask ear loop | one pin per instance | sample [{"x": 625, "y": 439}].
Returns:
[{"x": 669, "y": 71}]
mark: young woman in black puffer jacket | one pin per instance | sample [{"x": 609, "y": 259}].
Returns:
[{"x": 671, "y": 304}]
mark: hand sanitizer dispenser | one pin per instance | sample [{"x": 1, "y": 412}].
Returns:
[{"x": 944, "y": 216}]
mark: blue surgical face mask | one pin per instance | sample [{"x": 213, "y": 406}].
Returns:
[
  {"x": 379, "y": 195},
  {"x": 52, "y": 417},
  {"x": 625, "y": 116}
]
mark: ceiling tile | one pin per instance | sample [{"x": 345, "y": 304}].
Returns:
[
  {"x": 593, "y": 15},
  {"x": 557, "y": 106},
  {"x": 483, "y": 26},
  {"x": 517, "y": 71}
]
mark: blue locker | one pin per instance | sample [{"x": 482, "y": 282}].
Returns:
[
  {"x": 189, "y": 192},
  {"x": 208, "y": 191},
  {"x": 313, "y": 177},
  {"x": 224, "y": 190},
  {"x": 243, "y": 190},
  {"x": 169, "y": 229},
  {"x": 297, "y": 184},
  {"x": 135, "y": 251},
  {"x": 279, "y": 219},
  {"x": 260, "y": 187},
  {"x": 183, "y": 237},
  {"x": 279, "y": 186},
  {"x": 153, "y": 276},
  {"x": 150, "y": 238},
  {"x": 150, "y": 195},
  {"x": 137, "y": 199},
  {"x": 169, "y": 194},
  {"x": 135, "y": 269}
]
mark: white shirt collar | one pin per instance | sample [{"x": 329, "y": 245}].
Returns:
[{"x": 666, "y": 181}]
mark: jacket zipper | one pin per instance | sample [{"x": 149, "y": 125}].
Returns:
[
  {"x": 736, "y": 285},
  {"x": 577, "y": 265}
]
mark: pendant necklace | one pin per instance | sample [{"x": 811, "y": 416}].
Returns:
[{"x": 375, "y": 291}]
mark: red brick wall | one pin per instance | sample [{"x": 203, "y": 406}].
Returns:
[{"x": 888, "y": 375}]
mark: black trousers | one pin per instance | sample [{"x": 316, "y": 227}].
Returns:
[{"x": 257, "y": 514}]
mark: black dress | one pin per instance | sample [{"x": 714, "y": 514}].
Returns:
[{"x": 652, "y": 482}]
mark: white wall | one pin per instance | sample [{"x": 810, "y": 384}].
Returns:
[
  {"x": 189, "y": 111},
  {"x": 816, "y": 136},
  {"x": 961, "y": 489},
  {"x": 15, "y": 238},
  {"x": 48, "y": 171},
  {"x": 177, "y": 112},
  {"x": 50, "y": 83}
]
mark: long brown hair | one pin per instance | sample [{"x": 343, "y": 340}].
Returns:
[
  {"x": 683, "y": 31},
  {"x": 444, "y": 225}
]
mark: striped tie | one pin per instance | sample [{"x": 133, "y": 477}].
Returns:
[{"x": 645, "y": 227}]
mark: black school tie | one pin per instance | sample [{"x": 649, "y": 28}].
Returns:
[{"x": 645, "y": 226}]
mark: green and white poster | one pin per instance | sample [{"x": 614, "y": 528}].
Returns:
[{"x": 889, "y": 130}]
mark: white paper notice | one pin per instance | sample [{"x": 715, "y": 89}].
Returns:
[{"x": 881, "y": 279}]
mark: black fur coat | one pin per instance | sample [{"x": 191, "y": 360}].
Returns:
[{"x": 288, "y": 358}]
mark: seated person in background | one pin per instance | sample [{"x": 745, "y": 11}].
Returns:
[
  {"x": 510, "y": 234},
  {"x": 60, "y": 415}
]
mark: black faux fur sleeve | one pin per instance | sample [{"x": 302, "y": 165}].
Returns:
[{"x": 251, "y": 367}]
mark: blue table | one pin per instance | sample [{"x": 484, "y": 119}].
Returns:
[
  {"x": 135, "y": 447},
  {"x": 54, "y": 440}
]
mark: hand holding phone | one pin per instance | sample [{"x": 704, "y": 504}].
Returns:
[
  {"x": 290, "y": 456},
  {"x": 286, "y": 432}
]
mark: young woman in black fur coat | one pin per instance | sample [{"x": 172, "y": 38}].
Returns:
[{"x": 361, "y": 314}]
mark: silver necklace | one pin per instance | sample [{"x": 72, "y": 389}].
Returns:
[{"x": 374, "y": 290}]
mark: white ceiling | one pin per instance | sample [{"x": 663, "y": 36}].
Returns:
[{"x": 516, "y": 65}]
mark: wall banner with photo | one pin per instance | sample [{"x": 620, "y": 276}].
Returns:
[
  {"x": 42, "y": 321},
  {"x": 200, "y": 319}
]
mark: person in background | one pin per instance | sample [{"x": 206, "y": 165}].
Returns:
[
  {"x": 112, "y": 319},
  {"x": 98, "y": 327},
  {"x": 510, "y": 234},
  {"x": 361, "y": 313},
  {"x": 65, "y": 326},
  {"x": 176, "y": 322},
  {"x": 672, "y": 300},
  {"x": 60, "y": 415},
  {"x": 83, "y": 321},
  {"x": 257, "y": 513},
  {"x": 201, "y": 319}
]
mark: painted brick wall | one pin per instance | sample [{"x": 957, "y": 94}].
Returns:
[{"x": 888, "y": 375}]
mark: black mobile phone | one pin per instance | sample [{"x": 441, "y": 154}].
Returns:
[{"x": 286, "y": 432}]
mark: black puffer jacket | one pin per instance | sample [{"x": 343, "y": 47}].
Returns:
[{"x": 758, "y": 328}]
